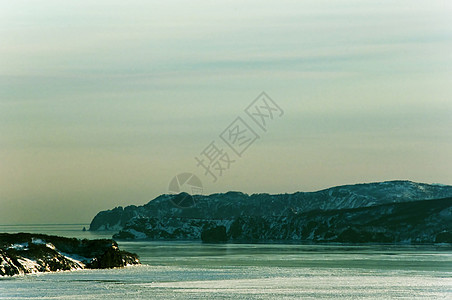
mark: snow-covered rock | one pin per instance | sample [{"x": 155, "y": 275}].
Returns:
[{"x": 25, "y": 253}]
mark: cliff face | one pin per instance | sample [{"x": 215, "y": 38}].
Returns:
[
  {"x": 24, "y": 253},
  {"x": 235, "y": 204},
  {"x": 394, "y": 211},
  {"x": 428, "y": 221}
]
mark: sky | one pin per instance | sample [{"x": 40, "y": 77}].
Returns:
[{"x": 102, "y": 103}]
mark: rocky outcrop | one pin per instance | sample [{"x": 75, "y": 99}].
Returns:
[
  {"x": 415, "y": 222},
  {"x": 233, "y": 205},
  {"x": 24, "y": 253},
  {"x": 116, "y": 218}
]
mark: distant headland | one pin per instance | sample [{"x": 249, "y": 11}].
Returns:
[{"x": 400, "y": 211}]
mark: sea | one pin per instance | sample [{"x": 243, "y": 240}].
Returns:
[{"x": 193, "y": 270}]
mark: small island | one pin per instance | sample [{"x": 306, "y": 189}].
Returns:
[{"x": 25, "y": 253}]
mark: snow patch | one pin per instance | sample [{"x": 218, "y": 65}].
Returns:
[
  {"x": 30, "y": 265},
  {"x": 115, "y": 227},
  {"x": 51, "y": 246},
  {"x": 37, "y": 241},
  {"x": 75, "y": 259},
  {"x": 137, "y": 234},
  {"x": 22, "y": 246}
]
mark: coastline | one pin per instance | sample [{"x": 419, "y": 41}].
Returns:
[{"x": 28, "y": 253}]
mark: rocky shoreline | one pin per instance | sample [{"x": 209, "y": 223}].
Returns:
[{"x": 26, "y": 253}]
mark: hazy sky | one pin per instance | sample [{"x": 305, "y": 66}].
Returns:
[{"x": 103, "y": 102}]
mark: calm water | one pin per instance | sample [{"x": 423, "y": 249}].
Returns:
[{"x": 185, "y": 270}]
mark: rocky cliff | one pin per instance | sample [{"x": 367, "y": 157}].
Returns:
[
  {"x": 393, "y": 211},
  {"x": 416, "y": 222},
  {"x": 24, "y": 253}
]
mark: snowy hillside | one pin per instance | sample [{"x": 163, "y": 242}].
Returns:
[{"x": 232, "y": 205}]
